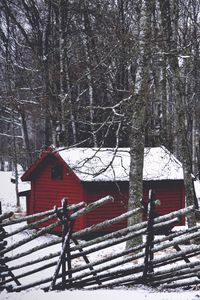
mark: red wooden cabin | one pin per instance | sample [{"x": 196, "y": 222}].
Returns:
[{"x": 87, "y": 174}]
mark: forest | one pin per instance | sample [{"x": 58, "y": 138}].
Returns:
[{"x": 99, "y": 74}]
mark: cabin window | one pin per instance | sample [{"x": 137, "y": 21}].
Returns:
[{"x": 57, "y": 172}]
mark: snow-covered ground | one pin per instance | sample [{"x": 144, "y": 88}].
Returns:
[
  {"x": 8, "y": 199},
  {"x": 8, "y": 193},
  {"x": 121, "y": 294}
]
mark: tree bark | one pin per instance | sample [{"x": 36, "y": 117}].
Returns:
[
  {"x": 139, "y": 104},
  {"x": 182, "y": 142}
]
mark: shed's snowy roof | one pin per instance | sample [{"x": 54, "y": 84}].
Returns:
[{"x": 109, "y": 164}]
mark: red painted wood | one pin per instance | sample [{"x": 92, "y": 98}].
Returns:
[
  {"x": 95, "y": 191},
  {"x": 47, "y": 192},
  {"x": 170, "y": 193}
]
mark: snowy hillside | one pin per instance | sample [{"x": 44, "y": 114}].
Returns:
[{"x": 7, "y": 196}]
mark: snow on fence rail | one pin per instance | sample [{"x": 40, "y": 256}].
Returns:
[{"x": 76, "y": 261}]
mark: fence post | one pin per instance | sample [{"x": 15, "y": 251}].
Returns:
[
  {"x": 64, "y": 232},
  {"x": 4, "y": 270},
  {"x": 2, "y": 246},
  {"x": 148, "y": 258},
  {"x": 65, "y": 252}
]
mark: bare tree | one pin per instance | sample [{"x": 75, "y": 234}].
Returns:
[{"x": 111, "y": 73}]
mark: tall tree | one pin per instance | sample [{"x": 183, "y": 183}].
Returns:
[
  {"x": 95, "y": 73},
  {"x": 139, "y": 104}
]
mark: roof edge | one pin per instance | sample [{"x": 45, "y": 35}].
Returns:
[{"x": 30, "y": 171}]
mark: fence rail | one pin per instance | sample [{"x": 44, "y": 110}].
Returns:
[{"x": 73, "y": 260}]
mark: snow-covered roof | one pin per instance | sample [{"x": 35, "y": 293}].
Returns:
[{"x": 109, "y": 164}]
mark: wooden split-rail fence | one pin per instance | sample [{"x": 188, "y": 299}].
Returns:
[{"x": 76, "y": 261}]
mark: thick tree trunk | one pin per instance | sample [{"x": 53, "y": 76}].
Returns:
[
  {"x": 136, "y": 171},
  {"x": 139, "y": 104},
  {"x": 187, "y": 168}
]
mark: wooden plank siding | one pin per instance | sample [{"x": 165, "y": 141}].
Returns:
[
  {"x": 97, "y": 190},
  {"x": 170, "y": 193},
  {"x": 47, "y": 192}
]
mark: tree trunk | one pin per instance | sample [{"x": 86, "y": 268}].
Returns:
[
  {"x": 169, "y": 21},
  {"x": 139, "y": 104},
  {"x": 15, "y": 162},
  {"x": 87, "y": 40},
  {"x": 136, "y": 170},
  {"x": 26, "y": 137}
]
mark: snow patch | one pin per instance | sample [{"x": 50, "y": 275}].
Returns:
[
  {"x": 107, "y": 164},
  {"x": 8, "y": 197}
]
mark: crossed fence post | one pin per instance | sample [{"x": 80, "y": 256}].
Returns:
[
  {"x": 65, "y": 255},
  {"x": 2, "y": 246},
  {"x": 148, "y": 258},
  {"x": 4, "y": 270}
]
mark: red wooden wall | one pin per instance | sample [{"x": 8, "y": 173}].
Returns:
[
  {"x": 47, "y": 192},
  {"x": 95, "y": 190},
  {"x": 170, "y": 193}
]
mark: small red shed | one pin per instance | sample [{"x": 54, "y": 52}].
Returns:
[{"x": 88, "y": 174}]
